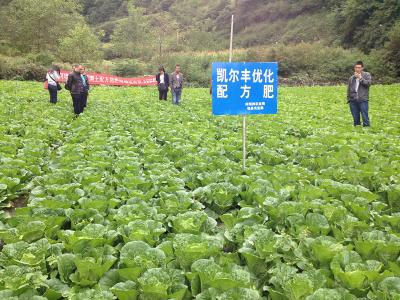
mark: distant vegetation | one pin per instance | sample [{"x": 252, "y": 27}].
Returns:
[{"x": 315, "y": 41}]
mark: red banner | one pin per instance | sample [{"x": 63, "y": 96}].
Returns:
[{"x": 107, "y": 79}]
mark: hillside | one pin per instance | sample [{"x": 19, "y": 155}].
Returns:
[
  {"x": 352, "y": 24},
  {"x": 133, "y": 37}
]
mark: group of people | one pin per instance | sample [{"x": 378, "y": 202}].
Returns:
[
  {"x": 78, "y": 85},
  {"x": 175, "y": 84}
]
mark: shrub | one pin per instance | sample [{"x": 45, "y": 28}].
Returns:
[
  {"x": 19, "y": 68},
  {"x": 130, "y": 67}
]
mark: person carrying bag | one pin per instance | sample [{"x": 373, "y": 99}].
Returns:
[
  {"x": 162, "y": 79},
  {"x": 52, "y": 84}
]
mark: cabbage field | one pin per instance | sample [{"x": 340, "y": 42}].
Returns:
[{"x": 140, "y": 199}]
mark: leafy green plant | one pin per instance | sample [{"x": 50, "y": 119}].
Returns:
[
  {"x": 189, "y": 247},
  {"x": 139, "y": 199},
  {"x": 147, "y": 230},
  {"x": 211, "y": 275},
  {"x": 161, "y": 283}
]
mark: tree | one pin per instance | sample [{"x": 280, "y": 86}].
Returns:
[
  {"x": 393, "y": 47},
  {"x": 131, "y": 35},
  {"x": 100, "y": 11},
  {"x": 164, "y": 27},
  {"x": 35, "y": 25},
  {"x": 364, "y": 24},
  {"x": 80, "y": 45}
]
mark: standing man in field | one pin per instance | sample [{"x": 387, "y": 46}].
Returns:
[
  {"x": 358, "y": 94},
  {"x": 77, "y": 89},
  {"x": 176, "y": 85}
]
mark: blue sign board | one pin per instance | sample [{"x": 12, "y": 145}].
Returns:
[{"x": 244, "y": 88}]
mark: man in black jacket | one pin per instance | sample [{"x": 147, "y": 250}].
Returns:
[
  {"x": 162, "y": 79},
  {"x": 358, "y": 94},
  {"x": 77, "y": 88}
]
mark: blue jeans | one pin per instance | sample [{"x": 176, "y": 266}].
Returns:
[
  {"x": 53, "y": 93},
  {"x": 358, "y": 108},
  {"x": 176, "y": 96}
]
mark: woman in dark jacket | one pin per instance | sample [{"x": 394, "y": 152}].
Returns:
[{"x": 162, "y": 79}]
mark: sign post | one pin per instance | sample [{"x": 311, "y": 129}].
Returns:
[
  {"x": 244, "y": 129},
  {"x": 231, "y": 42},
  {"x": 244, "y": 116},
  {"x": 244, "y": 88},
  {"x": 256, "y": 83}
]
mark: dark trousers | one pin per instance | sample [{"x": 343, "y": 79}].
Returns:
[
  {"x": 53, "y": 93},
  {"x": 358, "y": 108},
  {"x": 77, "y": 101},
  {"x": 162, "y": 94},
  {"x": 84, "y": 98}
]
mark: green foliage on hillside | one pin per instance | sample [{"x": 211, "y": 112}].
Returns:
[{"x": 150, "y": 32}]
